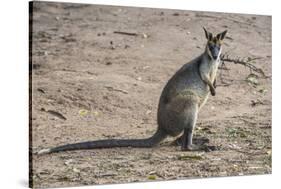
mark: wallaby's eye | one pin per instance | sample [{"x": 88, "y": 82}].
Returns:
[{"x": 211, "y": 46}]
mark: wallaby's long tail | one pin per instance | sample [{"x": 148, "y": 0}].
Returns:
[{"x": 110, "y": 143}]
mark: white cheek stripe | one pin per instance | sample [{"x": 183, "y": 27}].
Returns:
[{"x": 219, "y": 54}]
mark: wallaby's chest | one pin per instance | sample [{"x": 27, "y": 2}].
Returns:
[{"x": 212, "y": 68}]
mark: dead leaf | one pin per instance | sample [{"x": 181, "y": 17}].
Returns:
[
  {"x": 96, "y": 113},
  {"x": 152, "y": 177},
  {"x": 83, "y": 112},
  {"x": 75, "y": 170},
  {"x": 144, "y": 35},
  {"x": 148, "y": 112},
  {"x": 40, "y": 90},
  {"x": 152, "y": 172},
  {"x": 263, "y": 91},
  {"x": 68, "y": 162},
  {"x": 114, "y": 89},
  {"x": 57, "y": 114},
  {"x": 176, "y": 14},
  {"x": 252, "y": 79},
  {"x": 190, "y": 157},
  {"x": 256, "y": 102}
]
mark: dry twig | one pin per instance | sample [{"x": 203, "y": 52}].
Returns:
[
  {"x": 118, "y": 90},
  {"x": 125, "y": 33},
  {"x": 242, "y": 61}
]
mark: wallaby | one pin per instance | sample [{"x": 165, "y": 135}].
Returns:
[{"x": 181, "y": 99}]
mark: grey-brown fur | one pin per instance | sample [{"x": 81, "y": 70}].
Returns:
[{"x": 181, "y": 99}]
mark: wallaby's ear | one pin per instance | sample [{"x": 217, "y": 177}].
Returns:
[
  {"x": 208, "y": 34},
  {"x": 221, "y": 35}
]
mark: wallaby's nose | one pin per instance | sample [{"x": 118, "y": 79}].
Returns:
[{"x": 215, "y": 57}]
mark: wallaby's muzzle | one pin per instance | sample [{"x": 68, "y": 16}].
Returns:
[{"x": 215, "y": 51}]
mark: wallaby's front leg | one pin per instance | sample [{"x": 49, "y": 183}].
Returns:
[
  {"x": 215, "y": 83},
  {"x": 212, "y": 88},
  {"x": 207, "y": 80}
]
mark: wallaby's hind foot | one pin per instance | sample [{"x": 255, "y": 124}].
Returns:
[
  {"x": 199, "y": 144},
  {"x": 197, "y": 141},
  {"x": 194, "y": 147}
]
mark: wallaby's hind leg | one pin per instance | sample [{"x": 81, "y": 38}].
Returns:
[
  {"x": 191, "y": 119},
  {"x": 187, "y": 143},
  {"x": 187, "y": 137},
  {"x": 186, "y": 140},
  {"x": 197, "y": 144}
]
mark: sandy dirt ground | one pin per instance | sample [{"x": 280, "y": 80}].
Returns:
[{"x": 89, "y": 83}]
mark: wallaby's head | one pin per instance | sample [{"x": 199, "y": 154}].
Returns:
[{"x": 213, "y": 47}]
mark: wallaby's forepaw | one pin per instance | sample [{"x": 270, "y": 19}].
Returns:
[
  {"x": 215, "y": 84},
  {"x": 213, "y": 92}
]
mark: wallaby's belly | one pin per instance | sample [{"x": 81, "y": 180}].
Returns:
[
  {"x": 172, "y": 113},
  {"x": 186, "y": 92}
]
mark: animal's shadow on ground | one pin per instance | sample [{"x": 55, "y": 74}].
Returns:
[{"x": 199, "y": 141}]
